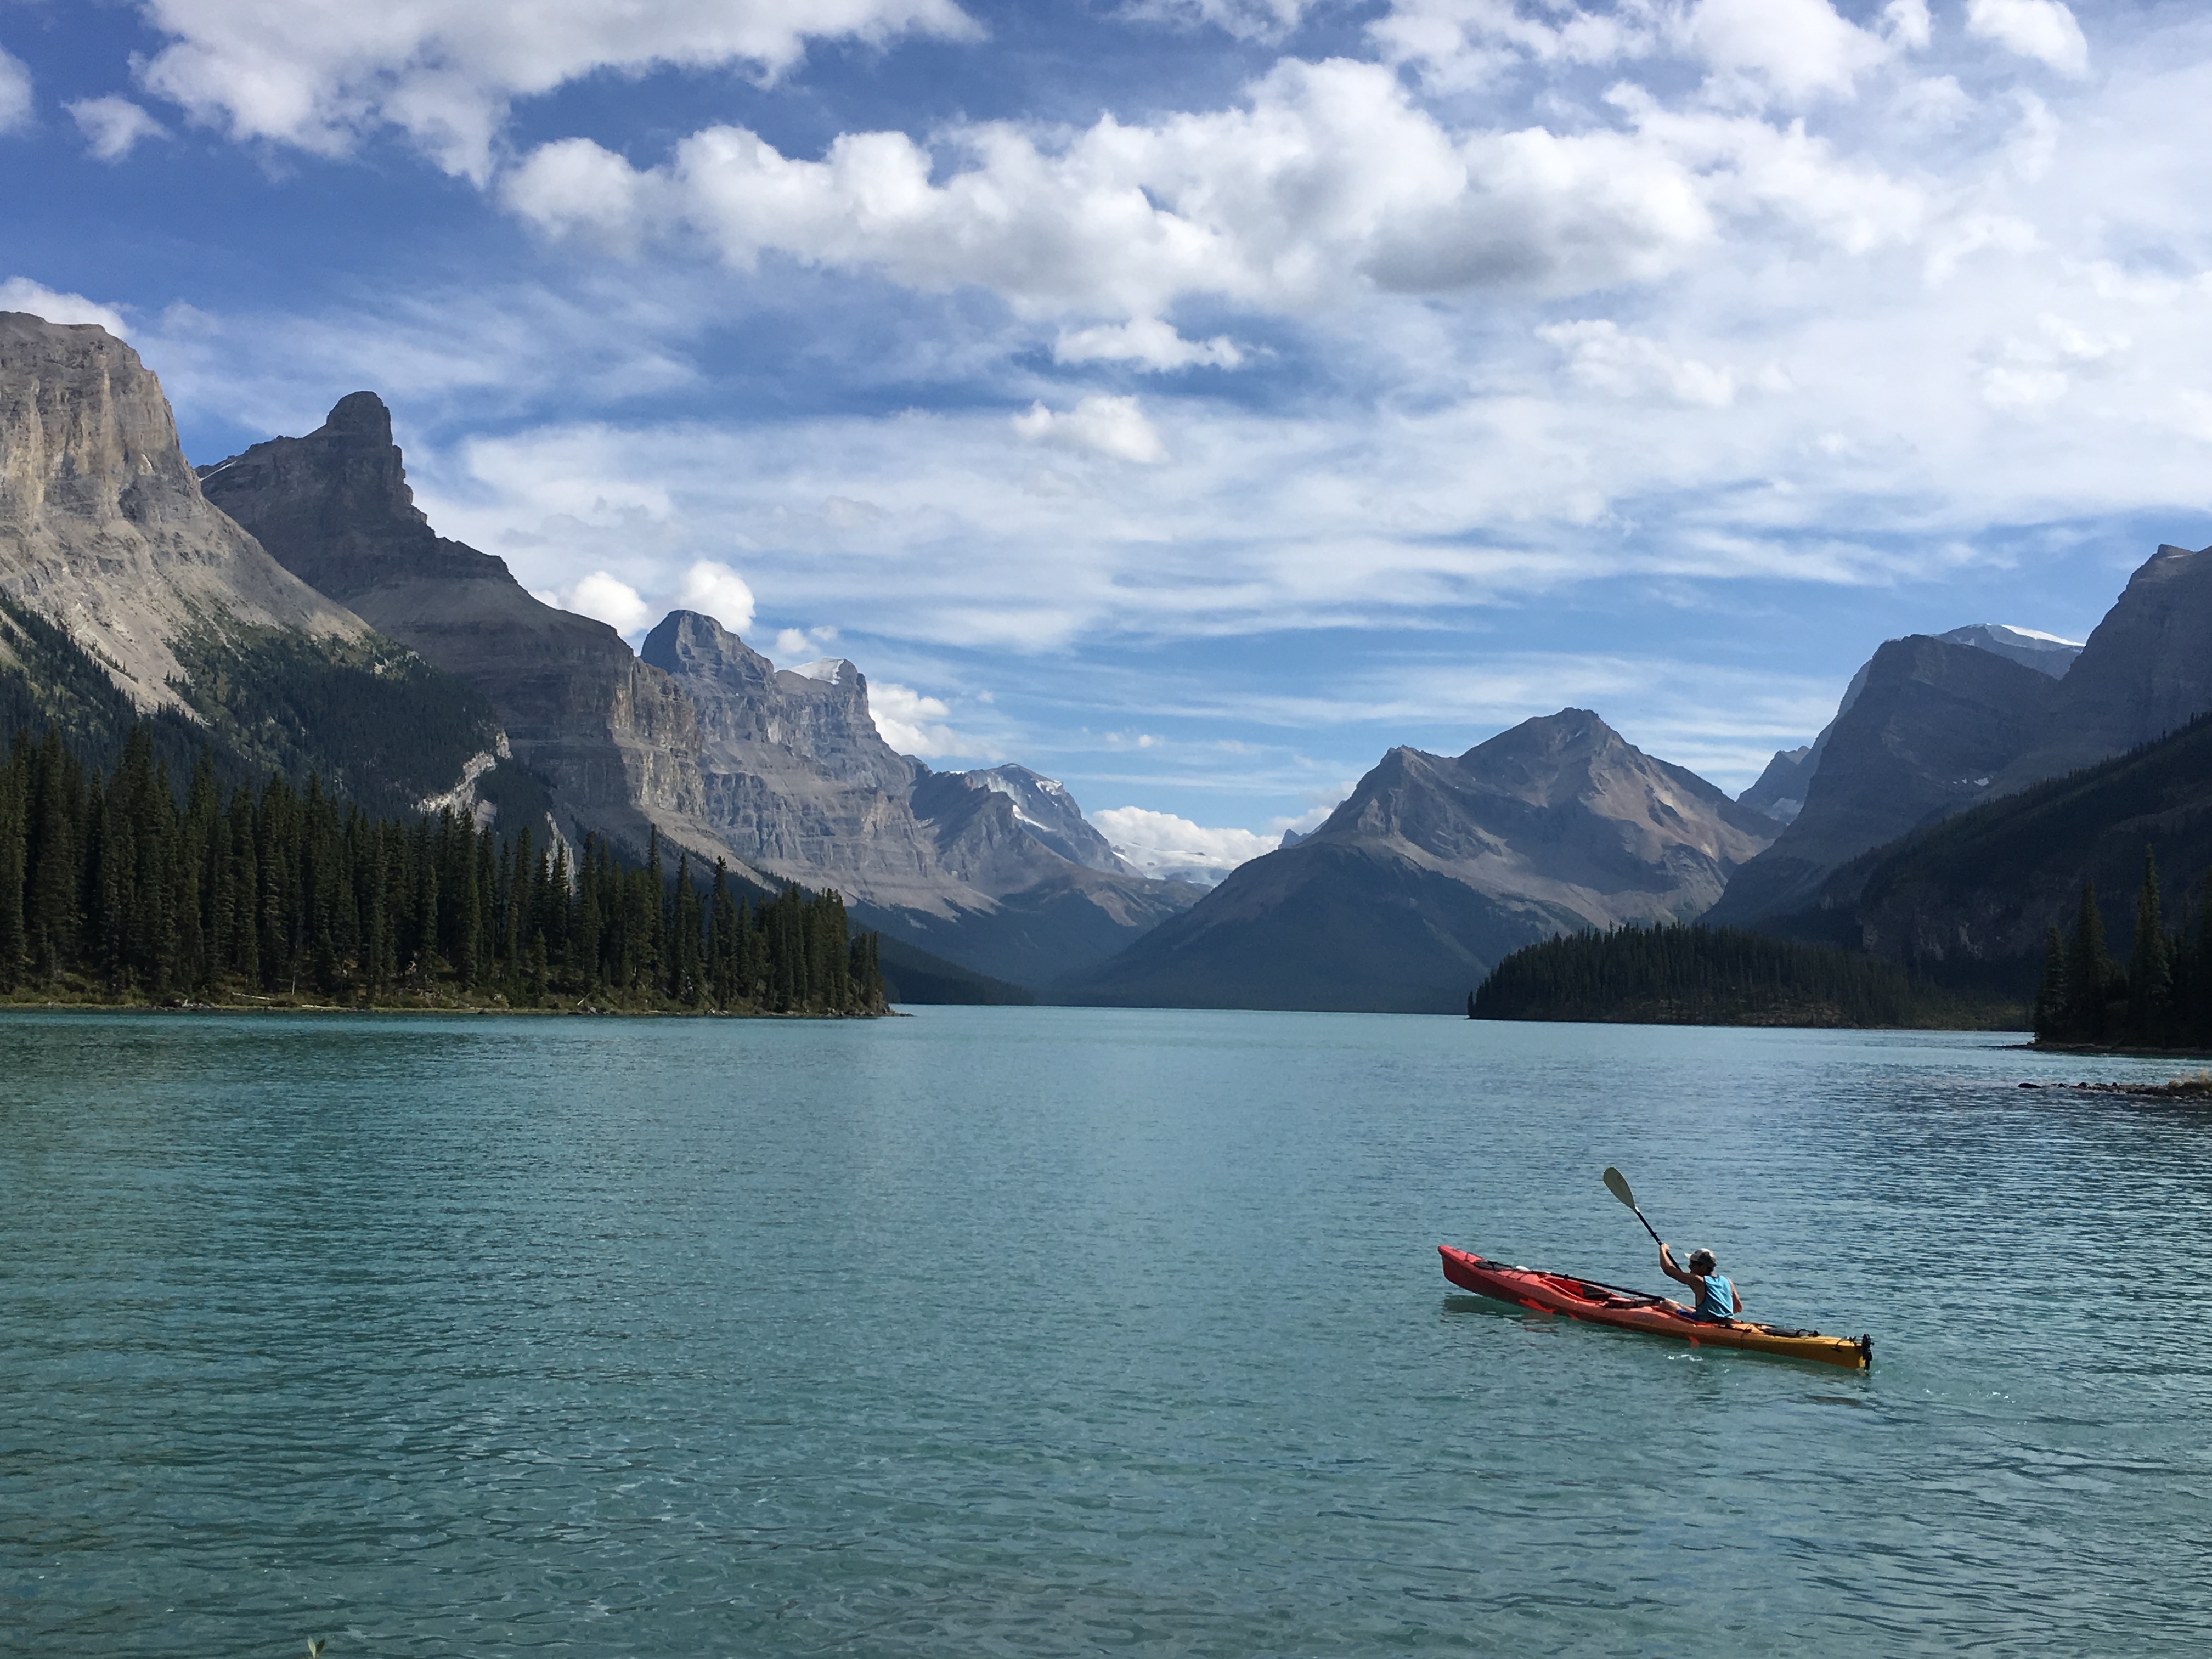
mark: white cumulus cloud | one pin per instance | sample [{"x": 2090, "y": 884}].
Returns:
[
  {"x": 1163, "y": 844},
  {"x": 1249, "y": 19},
  {"x": 1601, "y": 356},
  {"x": 719, "y": 591},
  {"x": 2046, "y": 30},
  {"x": 914, "y": 724},
  {"x": 606, "y": 597},
  {"x": 1103, "y": 425},
  {"x": 16, "y": 101},
  {"x": 1799, "y": 48},
  {"x": 318, "y": 74},
  {"x": 1327, "y": 181},
  {"x": 21, "y": 294},
  {"x": 113, "y": 127},
  {"x": 1146, "y": 342}
]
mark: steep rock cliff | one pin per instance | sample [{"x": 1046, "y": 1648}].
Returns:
[
  {"x": 104, "y": 528},
  {"x": 1932, "y": 722},
  {"x": 796, "y": 779},
  {"x": 2146, "y": 670},
  {"x": 115, "y": 568},
  {"x": 614, "y": 738}
]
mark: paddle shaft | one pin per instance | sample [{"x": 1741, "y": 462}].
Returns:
[{"x": 1617, "y": 1184}]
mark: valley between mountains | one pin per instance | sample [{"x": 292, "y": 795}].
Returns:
[{"x": 291, "y": 608}]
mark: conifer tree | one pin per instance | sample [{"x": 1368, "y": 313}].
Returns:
[
  {"x": 2089, "y": 971},
  {"x": 14, "y": 793},
  {"x": 587, "y": 915},
  {"x": 2050, "y": 1014},
  {"x": 2150, "y": 966},
  {"x": 50, "y": 898}
]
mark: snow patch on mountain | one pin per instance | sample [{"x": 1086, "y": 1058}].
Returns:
[{"x": 2031, "y": 647}]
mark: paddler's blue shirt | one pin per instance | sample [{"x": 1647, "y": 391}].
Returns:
[{"x": 1716, "y": 1297}]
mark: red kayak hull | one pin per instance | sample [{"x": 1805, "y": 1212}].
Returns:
[{"x": 1635, "y": 1310}]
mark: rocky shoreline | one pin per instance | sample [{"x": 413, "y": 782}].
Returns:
[{"x": 2196, "y": 1086}]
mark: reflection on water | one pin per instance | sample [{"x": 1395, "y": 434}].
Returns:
[{"x": 1040, "y": 1331}]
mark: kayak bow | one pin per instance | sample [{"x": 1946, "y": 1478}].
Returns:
[{"x": 1633, "y": 1311}]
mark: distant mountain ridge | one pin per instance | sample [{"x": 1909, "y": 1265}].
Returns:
[
  {"x": 1435, "y": 868},
  {"x": 292, "y": 608},
  {"x": 781, "y": 772}
]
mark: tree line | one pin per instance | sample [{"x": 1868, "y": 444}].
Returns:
[
  {"x": 1672, "y": 974},
  {"x": 116, "y": 885},
  {"x": 2162, "y": 999}
]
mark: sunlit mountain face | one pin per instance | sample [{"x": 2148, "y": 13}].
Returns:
[{"x": 1191, "y": 401}]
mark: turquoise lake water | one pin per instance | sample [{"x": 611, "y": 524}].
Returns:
[{"x": 1036, "y": 1331}]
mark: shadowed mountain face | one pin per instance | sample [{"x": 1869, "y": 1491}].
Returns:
[
  {"x": 1933, "y": 723},
  {"x": 1983, "y": 886},
  {"x": 1933, "y": 726},
  {"x": 1436, "y": 867},
  {"x": 2147, "y": 670},
  {"x": 614, "y": 739},
  {"x": 1780, "y": 791}
]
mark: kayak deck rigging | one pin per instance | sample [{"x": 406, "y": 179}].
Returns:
[{"x": 1636, "y": 1310}]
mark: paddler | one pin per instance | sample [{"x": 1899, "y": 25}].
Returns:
[{"x": 1716, "y": 1296}]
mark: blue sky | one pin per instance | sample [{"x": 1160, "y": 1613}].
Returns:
[{"x": 1192, "y": 398}]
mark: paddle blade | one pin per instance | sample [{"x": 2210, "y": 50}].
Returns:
[{"x": 1617, "y": 1184}]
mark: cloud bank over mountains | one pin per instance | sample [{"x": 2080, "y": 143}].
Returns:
[
  {"x": 1556, "y": 330},
  {"x": 323, "y": 74}
]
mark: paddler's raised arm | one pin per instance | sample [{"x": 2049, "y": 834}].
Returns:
[{"x": 1667, "y": 1266}]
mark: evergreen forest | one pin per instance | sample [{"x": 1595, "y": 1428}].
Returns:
[
  {"x": 117, "y": 886},
  {"x": 2161, "y": 998},
  {"x": 1671, "y": 974}
]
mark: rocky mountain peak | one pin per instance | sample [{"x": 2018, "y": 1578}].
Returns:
[
  {"x": 1049, "y": 813},
  {"x": 336, "y": 506},
  {"x": 1437, "y": 866},
  {"x": 1607, "y": 812},
  {"x": 103, "y": 523},
  {"x": 359, "y": 418},
  {"x": 692, "y": 642},
  {"x": 1549, "y": 758},
  {"x": 759, "y": 718},
  {"x": 89, "y": 435}
]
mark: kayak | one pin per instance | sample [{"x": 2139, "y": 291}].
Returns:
[{"x": 1634, "y": 1310}]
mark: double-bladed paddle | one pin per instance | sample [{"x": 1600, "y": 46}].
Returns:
[{"x": 1617, "y": 1184}]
